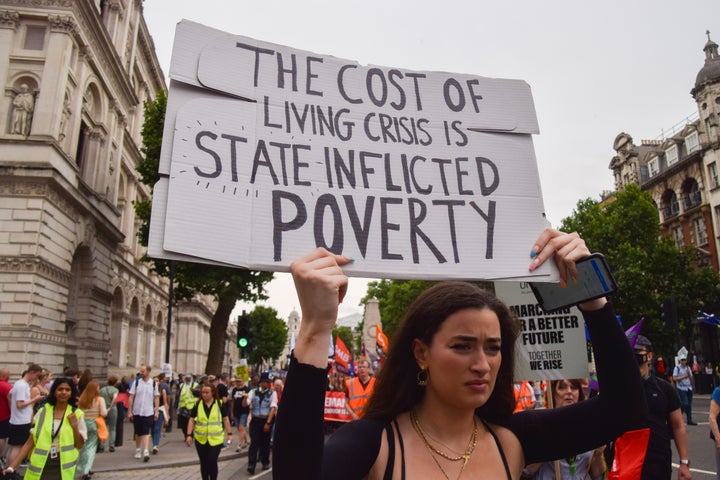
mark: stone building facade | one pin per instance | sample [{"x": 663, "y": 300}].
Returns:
[
  {"x": 74, "y": 290},
  {"x": 680, "y": 169}
]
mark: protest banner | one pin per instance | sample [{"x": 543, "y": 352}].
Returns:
[
  {"x": 550, "y": 345},
  {"x": 335, "y": 410},
  {"x": 270, "y": 151}
]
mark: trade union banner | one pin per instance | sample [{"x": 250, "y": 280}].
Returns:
[{"x": 270, "y": 151}]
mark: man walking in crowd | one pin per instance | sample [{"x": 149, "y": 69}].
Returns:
[
  {"x": 5, "y": 388},
  {"x": 186, "y": 401},
  {"x": 239, "y": 412},
  {"x": 263, "y": 407},
  {"x": 143, "y": 409},
  {"x": 684, "y": 382},
  {"x": 21, "y": 411},
  {"x": 359, "y": 389},
  {"x": 664, "y": 421}
]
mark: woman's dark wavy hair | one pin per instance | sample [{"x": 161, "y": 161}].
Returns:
[
  {"x": 52, "y": 399},
  {"x": 396, "y": 388}
]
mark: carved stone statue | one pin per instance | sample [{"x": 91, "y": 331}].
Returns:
[
  {"x": 65, "y": 114},
  {"x": 23, "y": 106}
]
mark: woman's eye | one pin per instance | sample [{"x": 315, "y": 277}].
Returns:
[{"x": 460, "y": 346}]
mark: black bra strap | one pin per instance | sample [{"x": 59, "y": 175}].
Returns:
[
  {"x": 402, "y": 448},
  {"x": 500, "y": 449},
  {"x": 391, "y": 452}
]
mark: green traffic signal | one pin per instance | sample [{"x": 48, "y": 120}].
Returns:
[{"x": 242, "y": 342}]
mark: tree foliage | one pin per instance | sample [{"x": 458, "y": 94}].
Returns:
[
  {"x": 269, "y": 334},
  {"x": 649, "y": 269},
  {"x": 227, "y": 285}
]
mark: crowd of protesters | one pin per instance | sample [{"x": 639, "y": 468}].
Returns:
[{"x": 86, "y": 416}]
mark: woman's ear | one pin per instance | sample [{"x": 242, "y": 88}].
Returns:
[{"x": 420, "y": 352}]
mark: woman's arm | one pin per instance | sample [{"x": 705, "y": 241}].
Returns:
[
  {"x": 586, "y": 425},
  {"x": 77, "y": 436},
  {"x": 189, "y": 432},
  {"x": 714, "y": 412},
  {"x": 621, "y": 405},
  {"x": 102, "y": 408},
  {"x": 321, "y": 286}
]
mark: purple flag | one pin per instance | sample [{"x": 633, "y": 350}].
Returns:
[{"x": 633, "y": 332}]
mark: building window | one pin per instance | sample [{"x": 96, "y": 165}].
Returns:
[
  {"x": 692, "y": 144},
  {"x": 34, "y": 38},
  {"x": 671, "y": 155},
  {"x": 699, "y": 231},
  {"x": 654, "y": 167},
  {"x": 713, "y": 175},
  {"x": 678, "y": 237},
  {"x": 717, "y": 217}
]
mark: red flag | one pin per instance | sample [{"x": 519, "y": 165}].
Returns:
[
  {"x": 342, "y": 356},
  {"x": 381, "y": 341}
]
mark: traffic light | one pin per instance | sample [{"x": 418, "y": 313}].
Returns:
[{"x": 243, "y": 331}]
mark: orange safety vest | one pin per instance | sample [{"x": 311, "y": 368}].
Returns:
[
  {"x": 524, "y": 396},
  {"x": 359, "y": 396}
]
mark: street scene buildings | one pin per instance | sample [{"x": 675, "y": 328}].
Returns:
[{"x": 74, "y": 290}]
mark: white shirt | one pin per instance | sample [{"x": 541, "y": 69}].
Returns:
[
  {"x": 20, "y": 392},
  {"x": 143, "y": 404}
]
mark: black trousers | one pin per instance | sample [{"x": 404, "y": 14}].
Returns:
[
  {"x": 208, "y": 456},
  {"x": 259, "y": 441}
]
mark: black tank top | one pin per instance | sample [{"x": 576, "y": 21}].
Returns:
[{"x": 390, "y": 434}]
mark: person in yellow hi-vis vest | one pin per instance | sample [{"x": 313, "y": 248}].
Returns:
[
  {"x": 58, "y": 435},
  {"x": 208, "y": 420}
]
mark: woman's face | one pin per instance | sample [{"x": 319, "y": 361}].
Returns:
[
  {"x": 206, "y": 394},
  {"x": 63, "y": 392},
  {"x": 463, "y": 359},
  {"x": 566, "y": 393}
]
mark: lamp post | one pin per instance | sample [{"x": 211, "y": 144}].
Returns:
[{"x": 170, "y": 308}]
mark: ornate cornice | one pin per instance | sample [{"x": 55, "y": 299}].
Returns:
[
  {"x": 35, "y": 265},
  {"x": 15, "y": 187},
  {"x": 62, "y": 24},
  {"x": 9, "y": 20}
]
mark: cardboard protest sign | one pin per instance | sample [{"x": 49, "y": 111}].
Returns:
[
  {"x": 271, "y": 151},
  {"x": 551, "y": 345}
]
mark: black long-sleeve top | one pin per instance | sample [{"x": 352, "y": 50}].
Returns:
[{"x": 353, "y": 449}]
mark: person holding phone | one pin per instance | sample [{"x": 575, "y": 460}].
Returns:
[{"x": 443, "y": 401}]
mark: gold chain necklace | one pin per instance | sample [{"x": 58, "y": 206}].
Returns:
[{"x": 464, "y": 457}]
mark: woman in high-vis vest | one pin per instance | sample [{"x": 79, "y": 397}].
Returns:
[
  {"x": 208, "y": 420},
  {"x": 58, "y": 435}
]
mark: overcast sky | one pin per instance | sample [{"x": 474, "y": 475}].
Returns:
[{"x": 595, "y": 70}]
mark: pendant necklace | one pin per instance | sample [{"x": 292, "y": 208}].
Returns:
[{"x": 434, "y": 451}]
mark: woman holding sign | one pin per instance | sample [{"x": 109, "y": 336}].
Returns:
[{"x": 443, "y": 402}]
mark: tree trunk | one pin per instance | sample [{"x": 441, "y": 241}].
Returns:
[{"x": 218, "y": 335}]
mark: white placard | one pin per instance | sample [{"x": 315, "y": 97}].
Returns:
[
  {"x": 413, "y": 174},
  {"x": 551, "y": 346}
]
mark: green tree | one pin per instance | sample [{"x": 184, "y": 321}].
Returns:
[
  {"x": 269, "y": 334},
  {"x": 649, "y": 269},
  {"x": 226, "y": 285}
]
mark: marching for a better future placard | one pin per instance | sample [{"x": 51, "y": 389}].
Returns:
[
  {"x": 551, "y": 345},
  {"x": 270, "y": 151}
]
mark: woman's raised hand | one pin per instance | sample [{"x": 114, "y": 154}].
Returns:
[
  {"x": 321, "y": 286},
  {"x": 566, "y": 249}
]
